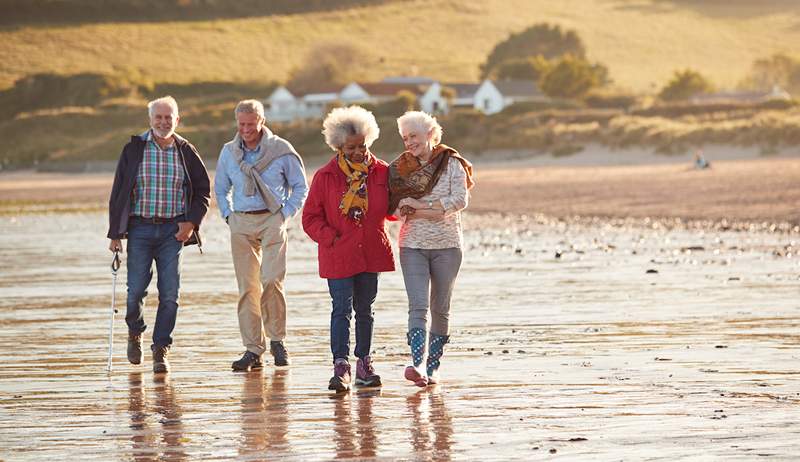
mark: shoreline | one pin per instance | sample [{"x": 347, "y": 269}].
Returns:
[{"x": 740, "y": 193}]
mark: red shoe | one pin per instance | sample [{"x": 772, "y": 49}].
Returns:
[{"x": 413, "y": 374}]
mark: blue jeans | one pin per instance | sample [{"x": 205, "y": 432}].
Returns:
[
  {"x": 356, "y": 292},
  {"x": 148, "y": 242}
]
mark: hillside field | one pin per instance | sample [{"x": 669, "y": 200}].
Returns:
[{"x": 641, "y": 41}]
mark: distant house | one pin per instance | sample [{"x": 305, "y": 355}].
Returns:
[
  {"x": 742, "y": 97},
  {"x": 377, "y": 92},
  {"x": 284, "y": 106},
  {"x": 492, "y": 97},
  {"x": 416, "y": 80},
  {"x": 433, "y": 97},
  {"x": 489, "y": 97},
  {"x": 435, "y": 100}
]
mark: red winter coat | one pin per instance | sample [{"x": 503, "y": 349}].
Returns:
[{"x": 358, "y": 249}]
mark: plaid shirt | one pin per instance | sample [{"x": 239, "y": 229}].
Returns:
[{"x": 159, "y": 183}]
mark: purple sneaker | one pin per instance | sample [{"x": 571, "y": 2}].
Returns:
[
  {"x": 365, "y": 373},
  {"x": 341, "y": 376}
]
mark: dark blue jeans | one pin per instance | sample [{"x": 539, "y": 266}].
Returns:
[
  {"x": 148, "y": 242},
  {"x": 356, "y": 292}
]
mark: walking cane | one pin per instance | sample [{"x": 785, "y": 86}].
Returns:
[{"x": 115, "y": 264}]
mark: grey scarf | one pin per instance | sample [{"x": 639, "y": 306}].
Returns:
[{"x": 272, "y": 147}]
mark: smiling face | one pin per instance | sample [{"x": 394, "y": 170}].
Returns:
[
  {"x": 355, "y": 148},
  {"x": 249, "y": 125},
  {"x": 163, "y": 120},
  {"x": 416, "y": 142}
]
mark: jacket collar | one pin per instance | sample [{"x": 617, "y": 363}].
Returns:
[{"x": 142, "y": 137}]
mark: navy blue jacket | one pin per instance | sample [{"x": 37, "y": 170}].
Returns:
[{"x": 196, "y": 187}]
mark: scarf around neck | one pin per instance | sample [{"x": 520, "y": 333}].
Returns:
[
  {"x": 408, "y": 177},
  {"x": 354, "y": 201},
  {"x": 271, "y": 148}
]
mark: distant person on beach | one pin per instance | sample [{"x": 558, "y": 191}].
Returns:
[
  {"x": 345, "y": 215},
  {"x": 260, "y": 185},
  {"x": 429, "y": 186},
  {"x": 700, "y": 162},
  {"x": 159, "y": 198}
]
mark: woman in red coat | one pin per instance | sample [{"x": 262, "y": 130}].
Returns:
[{"x": 345, "y": 214}]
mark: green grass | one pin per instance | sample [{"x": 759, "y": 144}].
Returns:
[{"x": 641, "y": 41}]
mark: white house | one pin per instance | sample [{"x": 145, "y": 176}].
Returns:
[
  {"x": 434, "y": 101},
  {"x": 488, "y": 97},
  {"x": 492, "y": 97},
  {"x": 283, "y": 106}
]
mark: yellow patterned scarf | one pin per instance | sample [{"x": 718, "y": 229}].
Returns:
[{"x": 354, "y": 201}]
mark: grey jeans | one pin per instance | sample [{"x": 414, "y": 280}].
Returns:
[{"x": 430, "y": 276}]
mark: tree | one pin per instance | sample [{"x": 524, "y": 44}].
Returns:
[
  {"x": 333, "y": 63},
  {"x": 571, "y": 77},
  {"x": 544, "y": 39},
  {"x": 779, "y": 69},
  {"x": 684, "y": 85},
  {"x": 530, "y": 68}
]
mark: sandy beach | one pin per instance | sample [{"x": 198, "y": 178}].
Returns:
[
  {"x": 741, "y": 186},
  {"x": 602, "y": 312}
]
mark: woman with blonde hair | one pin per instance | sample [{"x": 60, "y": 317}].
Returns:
[
  {"x": 429, "y": 186},
  {"x": 345, "y": 214}
]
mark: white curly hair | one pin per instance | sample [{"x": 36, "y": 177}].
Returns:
[
  {"x": 421, "y": 123},
  {"x": 347, "y": 121}
]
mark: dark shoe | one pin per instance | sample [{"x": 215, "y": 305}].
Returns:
[
  {"x": 341, "y": 376},
  {"x": 249, "y": 361},
  {"x": 135, "y": 355},
  {"x": 365, "y": 373},
  {"x": 160, "y": 361},
  {"x": 279, "y": 353}
]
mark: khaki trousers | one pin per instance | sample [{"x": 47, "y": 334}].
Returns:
[{"x": 258, "y": 246}]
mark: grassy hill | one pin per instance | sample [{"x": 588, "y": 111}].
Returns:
[{"x": 641, "y": 41}]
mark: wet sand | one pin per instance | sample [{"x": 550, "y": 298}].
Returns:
[{"x": 572, "y": 338}]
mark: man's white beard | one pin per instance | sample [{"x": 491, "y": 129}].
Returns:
[{"x": 164, "y": 134}]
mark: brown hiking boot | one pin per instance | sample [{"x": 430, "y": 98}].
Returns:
[
  {"x": 160, "y": 361},
  {"x": 135, "y": 355}
]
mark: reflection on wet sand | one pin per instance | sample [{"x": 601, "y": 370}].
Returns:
[
  {"x": 431, "y": 426},
  {"x": 354, "y": 439},
  {"x": 676, "y": 347},
  {"x": 144, "y": 435},
  {"x": 265, "y": 414}
]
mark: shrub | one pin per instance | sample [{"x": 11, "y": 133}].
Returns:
[
  {"x": 779, "y": 69},
  {"x": 547, "y": 40},
  {"x": 570, "y": 77},
  {"x": 683, "y": 85},
  {"x": 529, "y": 68},
  {"x": 605, "y": 100},
  {"x": 47, "y": 91}
]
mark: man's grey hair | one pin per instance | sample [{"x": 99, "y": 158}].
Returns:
[
  {"x": 348, "y": 121},
  {"x": 250, "y": 106},
  {"x": 165, "y": 101},
  {"x": 421, "y": 123}
]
